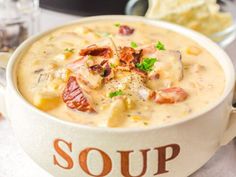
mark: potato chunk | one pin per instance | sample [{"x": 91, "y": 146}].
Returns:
[
  {"x": 46, "y": 101},
  {"x": 89, "y": 79},
  {"x": 116, "y": 113},
  {"x": 167, "y": 70}
]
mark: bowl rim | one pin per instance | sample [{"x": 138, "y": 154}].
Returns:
[{"x": 209, "y": 45}]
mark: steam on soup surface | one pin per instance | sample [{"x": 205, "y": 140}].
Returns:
[{"x": 119, "y": 74}]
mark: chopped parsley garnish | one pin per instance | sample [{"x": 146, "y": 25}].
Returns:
[
  {"x": 112, "y": 65},
  {"x": 160, "y": 46},
  {"x": 146, "y": 64},
  {"x": 69, "y": 50},
  {"x": 117, "y": 24},
  {"x": 116, "y": 93},
  {"x": 133, "y": 44}
]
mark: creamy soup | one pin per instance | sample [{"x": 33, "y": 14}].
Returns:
[{"x": 119, "y": 74}]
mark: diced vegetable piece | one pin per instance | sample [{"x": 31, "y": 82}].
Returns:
[
  {"x": 145, "y": 93},
  {"x": 147, "y": 64},
  {"x": 52, "y": 66},
  {"x": 60, "y": 57},
  {"x": 68, "y": 52},
  {"x": 160, "y": 46},
  {"x": 76, "y": 64},
  {"x": 89, "y": 79},
  {"x": 55, "y": 85},
  {"x": 169, "y": 66},
  {"x": 129, "y": 103},
  {"x": 115, "y": 93},
  {"x": 63, "y": 74},
  {"x": 193, "y": 50},
  {"x": 104, "y": 107},
  {"x": 116, "y": 113},
  {"x": 117, "y": 24},
  {"x": 46, "y": 101},
  {"x": 133, "y": 44},
  {"x": 83, "y": 30},
  {"x": 149, "y": 50},
  {"x": 136, "y": 118}
]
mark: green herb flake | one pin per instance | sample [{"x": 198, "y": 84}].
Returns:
[
  {"x": 69, "y": 50},
  {"x": 112, "y": 65},
  {"x": 160, "y": 46},
  {"x": 117, "y": 24},
  {"x": 134, "y": 45},
  {"x": 145, "y": 123},
  {"x": 146, "y": 64},
  {"x": 116, "y": 93}
]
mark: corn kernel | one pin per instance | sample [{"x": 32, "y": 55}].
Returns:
[
  {"x": 136, "y": 118},
  {"x": 193, "y": 50},
  {"x": 46, "y": 102},
  {"x": 52, "y": 66},
  {"x": 68, "y": 55}
]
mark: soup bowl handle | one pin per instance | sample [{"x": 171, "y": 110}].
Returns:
[
  {"x": 230, "y": 132},
  {"x": 3, "y": 63}
]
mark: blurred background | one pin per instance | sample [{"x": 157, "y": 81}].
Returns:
[{"x": 21, "y": 18}]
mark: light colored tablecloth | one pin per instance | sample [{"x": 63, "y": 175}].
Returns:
[{"x": 15, "y": 163}]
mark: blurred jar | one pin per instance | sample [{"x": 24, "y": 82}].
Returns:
[{"x": 19, "y": 19}]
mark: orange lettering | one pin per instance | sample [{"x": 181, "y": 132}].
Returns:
[
  {"x": 63, "y": 154},
  {"x": 162, "y": 159},
  {"x": 107, "y": 164},
  {"x": 125, "y": 169}
]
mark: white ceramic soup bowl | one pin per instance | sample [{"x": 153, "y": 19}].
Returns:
[{"x": 67, "y": 149}]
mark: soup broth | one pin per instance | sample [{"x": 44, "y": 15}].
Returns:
[{"x": 119, "y": 74}]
